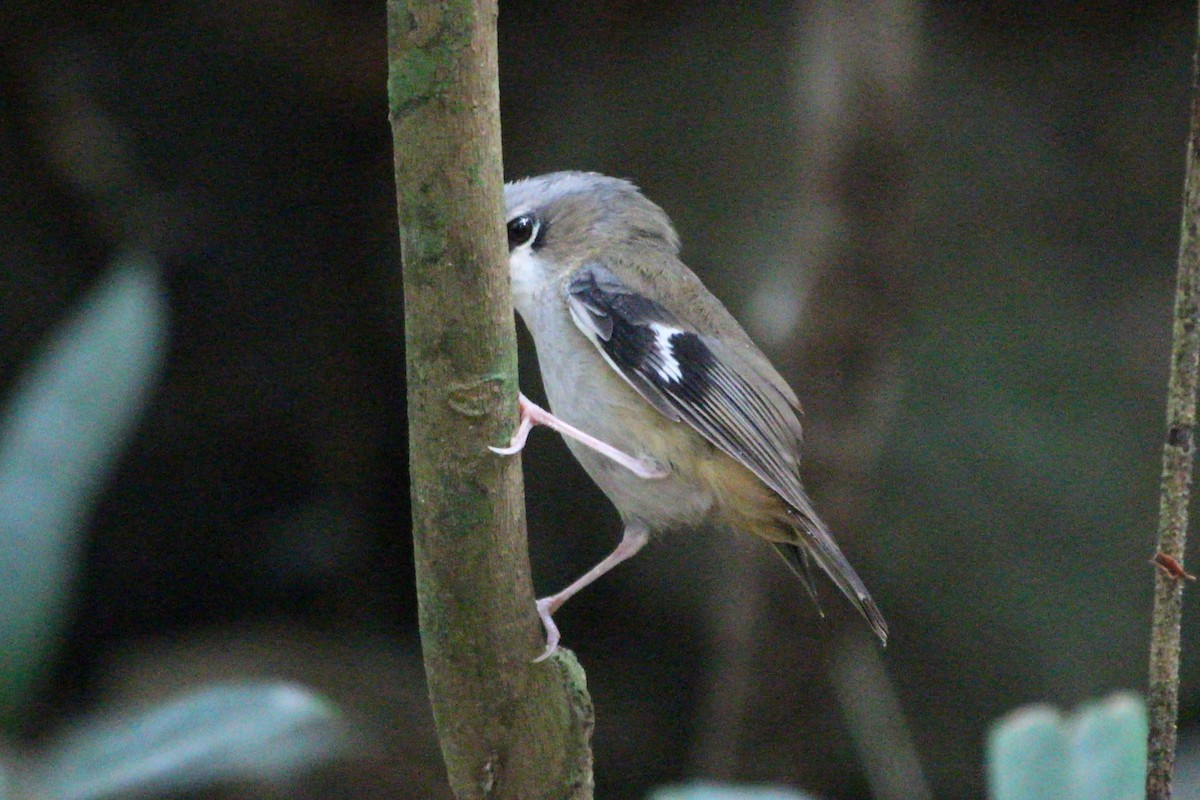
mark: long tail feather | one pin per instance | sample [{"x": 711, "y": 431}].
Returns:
[
  {"x": 816, "y": 541},
  {"x": 799, "y": 562}
]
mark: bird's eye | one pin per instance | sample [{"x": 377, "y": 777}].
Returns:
[{"x": 521, "y": 230}]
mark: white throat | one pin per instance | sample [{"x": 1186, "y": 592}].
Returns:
[{"x": 529, "y": 275}]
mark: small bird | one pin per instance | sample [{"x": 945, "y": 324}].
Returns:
[{"x": 658, "y": 392}]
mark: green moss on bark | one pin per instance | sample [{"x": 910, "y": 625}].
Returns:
[{"x": 509, "y": 728}]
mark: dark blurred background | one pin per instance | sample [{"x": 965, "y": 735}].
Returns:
[{"x": 953, "y": 226}]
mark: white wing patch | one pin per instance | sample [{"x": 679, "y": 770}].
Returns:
[{"x": 668, "y": 367}]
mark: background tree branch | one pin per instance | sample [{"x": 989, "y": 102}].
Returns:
[
  {"x": 508, "y": 728},
  {"x": 1178, "y": 453}
]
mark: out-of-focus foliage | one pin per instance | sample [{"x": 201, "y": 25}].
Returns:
[
  {"x": 1098, "y": 752},
  {"x": 717, "y": 791},
  {"x": 214, "y": 735},
  {"x": 1017, "y": 166},
  {"x": 63, "y": 430}
]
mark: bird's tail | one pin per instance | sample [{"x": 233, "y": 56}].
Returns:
[{"x": 816, "y": 543}]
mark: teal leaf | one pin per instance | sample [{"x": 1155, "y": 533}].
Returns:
[
  {"x": 64, "y": 427},
  {"x": 1096, "y": 753},
  {"x": 1027, "y": 756},
  {"x": 716, "y": 791},
  {"x": 224, "y": 733},
  {"x": 1108, "y": 749}
]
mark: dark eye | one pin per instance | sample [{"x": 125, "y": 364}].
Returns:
[{"x": 521, "y": 230}]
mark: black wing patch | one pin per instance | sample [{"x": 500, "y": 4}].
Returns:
[
  {"x": 640, "y": 338},
  {"x": 679, "y": 373},
  {"x": 690, "y": 378}
]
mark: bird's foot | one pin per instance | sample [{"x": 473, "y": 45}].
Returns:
[
  {"x": 632, "y": 540},
  {"x": 545, "y": 608},
  {"x": 533, "y": 414},
  {"x": 517, "y": 443}
]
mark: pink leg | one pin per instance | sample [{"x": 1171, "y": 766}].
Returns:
[
  {"x": 533, "y": 414},
  {"x": 632, "y": 540}
]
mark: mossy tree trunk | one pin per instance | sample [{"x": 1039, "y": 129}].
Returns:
[{"x": 508, "y": 728}]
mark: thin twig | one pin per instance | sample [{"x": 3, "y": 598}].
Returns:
[{"x": 1178, "y": 452}]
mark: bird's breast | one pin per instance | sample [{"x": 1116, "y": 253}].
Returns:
[{"x": 586, "y": 392}]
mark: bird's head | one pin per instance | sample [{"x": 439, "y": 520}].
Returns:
[{"x": 559, "y": 222}]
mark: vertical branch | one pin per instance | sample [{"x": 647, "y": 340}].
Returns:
[
  {"x": 1178, "y": 452},
  {"x": 508, "y": 728}
]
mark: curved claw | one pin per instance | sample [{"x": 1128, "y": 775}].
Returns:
[
  {"x": 517, "y": 443},
  {"x": 647, "y": 468},
  {"x": 544, "y": 609}
]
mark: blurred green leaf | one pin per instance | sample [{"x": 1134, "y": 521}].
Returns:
[
  {"x": 60, "y": 436},
  {"x": 1027, "y": 756},
  {"x": 224, "y": 733},
  {"x": 1108, "y": 749},
  {"x": 717, "y": 791},
  {"x": 1097, "y": 753},
  {"x": 8, "y": 784}
]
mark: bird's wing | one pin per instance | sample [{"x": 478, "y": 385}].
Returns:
[
  {"x": 696, "y": 379},
  {"x": 689, "y": 377}
]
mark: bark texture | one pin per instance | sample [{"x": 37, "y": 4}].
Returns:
[
  {"x": 1178, "y": 454},
  {"x": 508, "y": 728}
]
